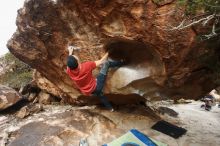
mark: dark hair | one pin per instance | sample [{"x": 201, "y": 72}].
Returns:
[{"x": 72, "y": 62}]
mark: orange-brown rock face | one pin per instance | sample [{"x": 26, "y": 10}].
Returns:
[{"x": 160, "y": 60}]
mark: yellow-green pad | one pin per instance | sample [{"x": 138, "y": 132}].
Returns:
[
  {"x": 128, "y": 137},
  {"x": 135, "y": 138}
]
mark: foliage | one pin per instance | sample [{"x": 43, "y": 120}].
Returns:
[
  {"x": 206, "y": 6},
  {"x": 204, "y": 12},
  {"x": 209, "y": 12},
  {"x": 16, "y": 73}
]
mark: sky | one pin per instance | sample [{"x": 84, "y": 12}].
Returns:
[{"x": 8, "y": 13}]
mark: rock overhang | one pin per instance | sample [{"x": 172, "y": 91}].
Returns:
[{"x": 157, "y": 57}]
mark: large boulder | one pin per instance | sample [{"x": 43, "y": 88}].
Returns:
[
  {"x": 8, "y": 97},
  {"x": 161, "y": 62}
]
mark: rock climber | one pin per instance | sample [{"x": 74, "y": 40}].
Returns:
[{"x": 81, "y": 74}]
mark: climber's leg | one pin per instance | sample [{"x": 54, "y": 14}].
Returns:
[
  {"x": 101, "y": 81},
  {"x": 104, "y": 100},
  {"x": 113, "y": 63}
]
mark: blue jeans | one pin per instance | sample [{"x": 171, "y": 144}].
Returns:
[{"x": 101, "y": 81}]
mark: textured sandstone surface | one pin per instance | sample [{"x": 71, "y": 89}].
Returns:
[
  {"x": 66, "y": 125},
  {"x": 8, "y": 97},
  {"x": 161, "y": 62}
]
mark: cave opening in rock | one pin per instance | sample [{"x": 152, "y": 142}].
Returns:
[
  {"x": 143, "y": 62},
  {"x": 139, "y": 77},
  {"x": 132, "y": 51}
]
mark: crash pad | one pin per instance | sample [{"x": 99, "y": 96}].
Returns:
[{"x": 134, "y": 138}]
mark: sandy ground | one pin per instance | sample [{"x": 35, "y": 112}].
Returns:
[{"x": 203, "y": 126}]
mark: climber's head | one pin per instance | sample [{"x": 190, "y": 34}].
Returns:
[{"x": 72, "y": 62}]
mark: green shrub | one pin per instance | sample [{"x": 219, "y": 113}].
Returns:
[{"x": 16, "y": 74}]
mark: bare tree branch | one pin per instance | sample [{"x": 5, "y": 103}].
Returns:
[
  {"x": 188, "y": 23},
  {"x": 213, "y": 33},
  {"x": 184, "y": 24}
]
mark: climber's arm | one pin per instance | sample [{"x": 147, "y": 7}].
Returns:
[
  {"x": 102, "y": 60},
  {"x": 71, "y": 50}
]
